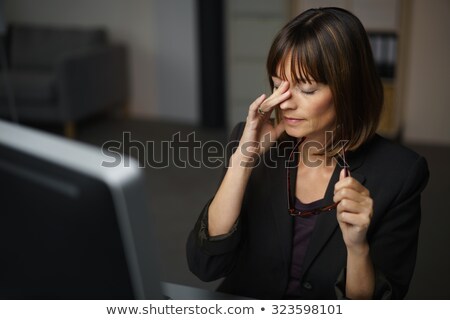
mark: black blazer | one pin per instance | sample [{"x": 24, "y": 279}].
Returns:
[{"x": 255, "y": 257}]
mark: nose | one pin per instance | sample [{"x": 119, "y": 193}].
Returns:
[{"x": 289, "y": 103}]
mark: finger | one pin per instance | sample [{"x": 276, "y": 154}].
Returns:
[
  {"x": 354, "y": 219},
  {"x": 255, "y": 104},
  {"x": 348, "y": 193},
  {"x": 345, "y": 172},
  {"x": 351, "y": 183},
  {"x": 282, "y": 88},
  {"x": 342, "y": 175},
  {"x": 284, "y": 85},
  {"x": 253, "y": 109},
  {"x": 274, "y": 100},
  {"x": 278, "y": 96},
  {"x": 353, "y": 207}
]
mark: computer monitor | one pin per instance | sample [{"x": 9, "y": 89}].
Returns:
[{"x": 71, "y": 228}]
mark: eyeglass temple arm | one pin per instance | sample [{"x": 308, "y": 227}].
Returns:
[{"x": 346, "y": 166}]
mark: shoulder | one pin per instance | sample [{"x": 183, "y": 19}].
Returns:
[
  {"x": 382, "y": 146},
  {"x": 392, "y": 163},
  {"x": 381, "y": 151}
]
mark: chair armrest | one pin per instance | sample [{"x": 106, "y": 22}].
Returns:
[{"x": 92, "y": 80}]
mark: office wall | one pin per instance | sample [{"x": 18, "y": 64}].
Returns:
[
  {"x": 177, "y": 60},
  {"x": 427, "y": 94},
  {"x": 160, "y": 36},
  {"x": 251, "y": 26},
  {"x": 375, "y": 15}
]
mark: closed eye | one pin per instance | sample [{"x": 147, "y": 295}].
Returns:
[{"x": 306, "y": 89}]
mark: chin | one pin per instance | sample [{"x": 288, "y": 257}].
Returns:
[{"x": 296, "y": 133}]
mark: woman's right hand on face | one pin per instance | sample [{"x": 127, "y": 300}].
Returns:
[{"x": 259, "y": 132}]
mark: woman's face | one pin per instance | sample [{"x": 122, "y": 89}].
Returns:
[{"x": 309, "y": 112}]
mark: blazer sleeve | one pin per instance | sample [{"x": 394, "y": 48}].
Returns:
[
  {"x": 393, "y": 242},
  {"x": 211, "y": 258}
]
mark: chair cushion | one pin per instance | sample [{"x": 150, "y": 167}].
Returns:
[
  {"x": 31, "y": 87},
  {"x": 41, "y": 47}
]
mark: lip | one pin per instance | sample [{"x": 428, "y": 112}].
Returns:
[{"x": 292, "y": 121}]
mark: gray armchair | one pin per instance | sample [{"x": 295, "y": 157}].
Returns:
[{"x": 62, "y": 75}]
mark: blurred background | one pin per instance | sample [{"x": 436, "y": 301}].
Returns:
[{"x": 93, "y": 69}]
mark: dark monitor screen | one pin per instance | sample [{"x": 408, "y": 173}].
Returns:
[{"x": 69, "y": 227}]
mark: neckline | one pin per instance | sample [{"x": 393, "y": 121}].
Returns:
[{"x": 308, "y": 206}]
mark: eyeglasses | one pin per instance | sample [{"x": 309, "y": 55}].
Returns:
[{"x": 291, "y": 203}]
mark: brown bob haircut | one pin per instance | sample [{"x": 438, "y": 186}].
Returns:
[{"x": 330, "y": 46}]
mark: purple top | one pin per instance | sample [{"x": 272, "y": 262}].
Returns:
[{"x": 303, "y": 228}]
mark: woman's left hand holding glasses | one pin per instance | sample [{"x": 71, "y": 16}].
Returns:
[
  {"x": 354, "y": 212},
  {"x": 354, "y": 215}
]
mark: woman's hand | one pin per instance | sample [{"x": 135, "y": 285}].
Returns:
[
  {"x": 226, "y": 206},
  {"x": 260, "y": 133},
  {"x": 354, "y": 212}
]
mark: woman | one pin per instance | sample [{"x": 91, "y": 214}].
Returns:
[{"x": 314, "y": 205}]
